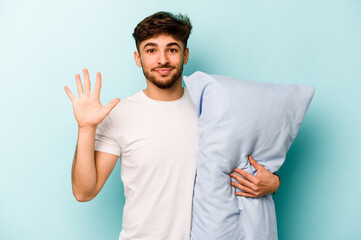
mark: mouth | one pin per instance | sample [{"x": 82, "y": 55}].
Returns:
[{"x": 163, "y": 71}]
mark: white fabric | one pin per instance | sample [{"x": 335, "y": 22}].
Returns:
[
  {"x": 238, "y": 118},
  {"x": 158, "y": 143}
]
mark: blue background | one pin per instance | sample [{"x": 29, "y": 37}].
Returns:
[{"x": 44, "y": 43}]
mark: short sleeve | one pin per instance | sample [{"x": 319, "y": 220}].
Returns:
[{"x": 104, "y": 138}]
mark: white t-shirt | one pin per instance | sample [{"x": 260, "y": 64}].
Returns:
[{"x": 158, "y": 143}]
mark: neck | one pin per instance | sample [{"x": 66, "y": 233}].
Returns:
[{"x": 169, "y": 94}]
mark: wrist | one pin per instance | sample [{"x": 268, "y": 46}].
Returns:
[
  {"x": 90, "y": 128},
  {"x": 278, "y": 181}
]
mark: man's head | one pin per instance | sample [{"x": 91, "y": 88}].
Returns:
[
  {"x": 161, "y": 41},
  {"x": 163, "y": 23}
]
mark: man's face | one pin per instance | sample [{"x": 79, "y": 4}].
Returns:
[{"x": 162, "y": 60}]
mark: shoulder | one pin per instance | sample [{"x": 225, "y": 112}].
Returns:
[{"x": 126, "y": 106}]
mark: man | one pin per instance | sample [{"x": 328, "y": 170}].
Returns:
[{"x": 155, "y": 132}]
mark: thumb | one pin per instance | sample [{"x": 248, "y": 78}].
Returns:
[
  {"x": 112, "y": 104},
  {"x": 254, "y": 163}
]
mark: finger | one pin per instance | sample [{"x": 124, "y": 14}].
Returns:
[
  {"x": 254, "y": 163},
  {"x": 69, "y": 93},
  {"x": 98, "y": 84},
  {"x": 243, "y": 181},
  {"x": 242, "y": 194},
  {"x": 243, "y": 188},
  {"x": 245, "y": 175},
  {"x": 112, "y": 104},
  {"x": 86, "y": 81},
  {"x": 79, "y": 86}
]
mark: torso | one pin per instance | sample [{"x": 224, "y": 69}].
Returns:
[{"x": 159, "y": 143}]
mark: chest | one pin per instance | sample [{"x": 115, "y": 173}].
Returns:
[{"x": 160, "y": 138}]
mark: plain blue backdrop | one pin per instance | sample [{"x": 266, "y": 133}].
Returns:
[{"x": 43, "y": 44}]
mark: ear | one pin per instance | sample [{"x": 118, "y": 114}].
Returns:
[
  {"x": 186, "y": 56},
  {"x": 137, "y": 58}
]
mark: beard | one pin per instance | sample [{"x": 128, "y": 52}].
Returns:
[{"x": 164, "y": 84}]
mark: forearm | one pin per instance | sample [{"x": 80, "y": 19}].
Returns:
[{"x": 84, "y": 175}]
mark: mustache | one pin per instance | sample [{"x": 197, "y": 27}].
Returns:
[{"x": 167, "y": 65}]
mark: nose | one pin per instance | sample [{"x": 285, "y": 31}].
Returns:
[{"x": 163, "y": 58}]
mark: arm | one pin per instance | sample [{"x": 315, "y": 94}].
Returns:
[
  {"x": 255, "y": 186},
  {"x": 90, "y": 169}
]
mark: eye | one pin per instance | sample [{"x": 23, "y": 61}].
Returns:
[
  {"x": 151, "y": 50},
  {"x": 173, "y": 50}
]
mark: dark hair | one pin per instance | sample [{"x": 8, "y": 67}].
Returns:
[{"x": 179, "y": 26}]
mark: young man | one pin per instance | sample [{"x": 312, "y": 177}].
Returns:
[{"x": 154, "y": 131}]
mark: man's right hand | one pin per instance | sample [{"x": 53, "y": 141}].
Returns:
[{"x": 88, "y": 110}]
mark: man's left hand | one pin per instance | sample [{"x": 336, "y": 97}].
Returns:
[{"x": 255, "y": 186}]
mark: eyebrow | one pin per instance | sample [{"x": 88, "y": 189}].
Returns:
[{"x": 150, "y": 44}]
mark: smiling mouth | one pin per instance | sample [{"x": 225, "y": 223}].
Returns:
[{"x": 163, "y": 71}]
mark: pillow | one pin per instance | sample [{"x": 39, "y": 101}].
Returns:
[{"x": 238, "y": 118}]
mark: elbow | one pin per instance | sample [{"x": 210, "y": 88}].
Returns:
[{"x": 82, "y": 196}]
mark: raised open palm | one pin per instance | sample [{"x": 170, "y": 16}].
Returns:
[{"x": 88, "y": 110}]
